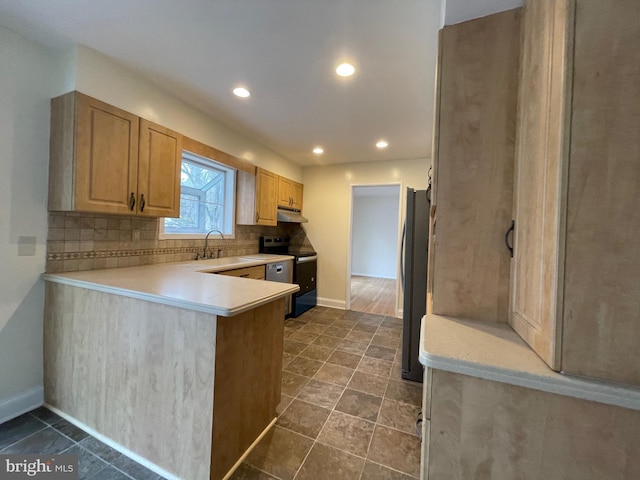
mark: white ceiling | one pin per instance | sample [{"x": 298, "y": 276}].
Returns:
[{"x": 284, "y": 51}]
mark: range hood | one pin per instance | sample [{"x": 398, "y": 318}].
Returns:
[{"x": 290, "y": 216}]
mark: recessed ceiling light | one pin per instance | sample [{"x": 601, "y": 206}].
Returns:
[
  {"x": 345, "y": 70},
  {"x": 318, "y": 150},
  {"x": 382, "y": 144},
  {"x": 241, "y": 92}
]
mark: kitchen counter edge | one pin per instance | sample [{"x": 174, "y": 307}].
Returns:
[
  {"x": 190, "y": 285},
  {"x": 496, "y": 352}
]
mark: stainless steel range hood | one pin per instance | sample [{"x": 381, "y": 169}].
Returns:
[{"x": 290, "y": 216}]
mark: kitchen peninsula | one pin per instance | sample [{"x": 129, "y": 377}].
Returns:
[{"x": 173, "y": 365}]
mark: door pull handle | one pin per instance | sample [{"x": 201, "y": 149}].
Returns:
[{"x": 508, "y": 244}]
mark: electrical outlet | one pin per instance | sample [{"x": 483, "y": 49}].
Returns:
[{"x": 135, "y": 235}]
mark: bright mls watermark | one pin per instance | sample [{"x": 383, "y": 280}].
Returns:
[{"x": 51, "y": 467}]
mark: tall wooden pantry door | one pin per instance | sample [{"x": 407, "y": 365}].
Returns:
[{"x": 540, "y": 176}]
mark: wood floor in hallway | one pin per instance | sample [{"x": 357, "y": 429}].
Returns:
[{"x": 373, "y": 295}]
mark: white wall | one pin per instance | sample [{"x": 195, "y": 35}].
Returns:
[
  {"x": 374, "y": 238},
  {"x": 30, "y": 75},
  {"x": 100, "y": 77},
  {"x": 327, "y": 199}
]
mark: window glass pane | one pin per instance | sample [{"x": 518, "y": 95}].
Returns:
[
  {"x": 197, "y": 176},
  {"x": 206, "y": 188},
  {"x": 215, "y": 194},
  {"x": 189, "y": 220},
  {"x": 213, "y": 216}
]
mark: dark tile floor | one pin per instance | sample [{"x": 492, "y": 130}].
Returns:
[
  {"x": 346, "y": 414},
  {"x": 42, "y": 431}
]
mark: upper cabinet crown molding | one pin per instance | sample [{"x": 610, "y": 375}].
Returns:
[{"x": 106, "y": 160}]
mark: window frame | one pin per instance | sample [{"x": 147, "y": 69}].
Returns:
[{"x": 230, "y": 173}]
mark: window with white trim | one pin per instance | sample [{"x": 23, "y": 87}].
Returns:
[{"x": 207, "y": 199}]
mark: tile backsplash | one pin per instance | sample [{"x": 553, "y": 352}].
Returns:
[{"x": 83, "y": 241}]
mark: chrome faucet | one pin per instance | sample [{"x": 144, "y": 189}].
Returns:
[{"x": 206, "y": 240}]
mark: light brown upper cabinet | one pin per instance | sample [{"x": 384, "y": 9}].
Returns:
[
  {"x": 575, "y": 275},
  {"x": 159, "y": 166},
  {"x": 257, "y": 198},
  {"x": 289, "y": 194},
  {"x": 473, "y": 167},
  {"x": 540, "y": 175},
  {"x": 106, "y": 160}
]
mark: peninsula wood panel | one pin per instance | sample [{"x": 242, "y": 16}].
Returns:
[
  {"x": 486, "y": 430},
  {"x": 474, "y": 165},
  {"x": 159, "y": 167},
  {"x": 540, "y": 175},
  {"x": 602, "y": 276},
  {"x": 140, "y": 373},
  {"x": 248, "y": 380}
]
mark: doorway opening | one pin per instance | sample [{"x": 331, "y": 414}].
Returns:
[{"x": 373, "y": 283}]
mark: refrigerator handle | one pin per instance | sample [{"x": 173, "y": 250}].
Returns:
[{"x": 404, "y": 234}]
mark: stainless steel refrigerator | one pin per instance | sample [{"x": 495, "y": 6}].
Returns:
[{"x": 415, "y": 247}]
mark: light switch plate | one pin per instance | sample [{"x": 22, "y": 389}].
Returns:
[{"x": 26, "y": 246}]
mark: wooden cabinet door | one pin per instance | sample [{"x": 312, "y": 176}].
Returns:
[
  {"x": 296, "y": 195},
  {"x": 106, "y": 157},
  {"x": 284, "y": 192},
  {"x": 601, "y": 324},
  {"x": 478, "y": 92},
  {"x": 540, "y": 176},
  {"x": 266, "y": 197},
  {"x": 160, "y": 160},
  {"x": 289, "y": 194},
  {"x": 257, "y": 272}
]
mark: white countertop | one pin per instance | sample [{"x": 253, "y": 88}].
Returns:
[
  {"x": 495, "y": 352},
  {"x": 189, "y": 285}
]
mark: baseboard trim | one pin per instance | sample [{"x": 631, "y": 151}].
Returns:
[
  {"x": 370, "y": 275},
  {"x": 22, "y": 403},
  {"x": 332, "y": 303},
  {"x": 248, "y": 451},
  {"x": 116, "y": 446}
]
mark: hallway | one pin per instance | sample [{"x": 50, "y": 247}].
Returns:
[{"x": 373, "y": 295}]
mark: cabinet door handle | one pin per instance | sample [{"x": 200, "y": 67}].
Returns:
[
  {"x": 257, "y": 216},
  {"x": 142, "y": 203},
  {"x": 506, "y": 238},
  {"x": 244, "y": 275},
  {"x": 132, "y": 201}
]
